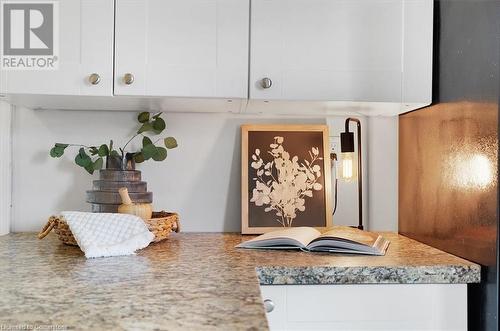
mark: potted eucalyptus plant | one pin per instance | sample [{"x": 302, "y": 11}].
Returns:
[
  {"x": 91, "y": 158},
  {"x": 120, "y": 163}
]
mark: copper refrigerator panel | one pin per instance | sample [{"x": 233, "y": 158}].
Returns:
[{"x": 448, "y": 178}]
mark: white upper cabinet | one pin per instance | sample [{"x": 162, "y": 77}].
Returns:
[
  {"x": 376, "y": 51},
  {"x": 182, "y": 48},
  {"x": 369, "y": 57},
  {"x": 85, "y": 48}
]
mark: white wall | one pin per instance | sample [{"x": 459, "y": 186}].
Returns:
[
  {"x": 383, "y": 173},
  {"x": 200, "y": 179},
  {"x": 5, "y": 167}
]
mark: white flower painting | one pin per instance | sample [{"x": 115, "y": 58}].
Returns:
[{"x": 283, "y": 184}]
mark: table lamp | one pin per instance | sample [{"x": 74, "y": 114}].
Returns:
[{"x": 348, "y": 172}]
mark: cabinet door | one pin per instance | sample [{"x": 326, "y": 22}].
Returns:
[
  {"x": 183, "y": 48},
  {"x": 367, "y": 307},
  {"x": 339, "y": 50},
  {"x": 85, "y": 48}
]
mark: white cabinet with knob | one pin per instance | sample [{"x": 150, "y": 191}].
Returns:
[
  {"x": 85, "y": 60},
  {"x": 361, "y": 54},
  {"x": 366, "y": 307},
  {"x": 189, "y": 48},
  {"x": 368, "y": 57},
  {"x": 166, "y": 48}
]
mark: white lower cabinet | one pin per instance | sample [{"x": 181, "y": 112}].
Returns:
[{"x": 367, "y": 307}]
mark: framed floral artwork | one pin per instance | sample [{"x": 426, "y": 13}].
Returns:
[{"x": 285, "y": 177}]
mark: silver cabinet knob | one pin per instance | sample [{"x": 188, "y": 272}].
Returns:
[
  {"x": 269, "y": 305},
  {"x": 266, "y": 82},
  {"x": 94, "y": 79},
  {"x": 128, "y": 78}
]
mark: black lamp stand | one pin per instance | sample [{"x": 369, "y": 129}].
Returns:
[{"x": 347, "y": 146}]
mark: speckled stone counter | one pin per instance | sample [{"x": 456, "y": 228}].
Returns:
[{"x": 192, "y": 281}]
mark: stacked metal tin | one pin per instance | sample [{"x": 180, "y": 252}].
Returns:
[{"x": 104, "y": 196}]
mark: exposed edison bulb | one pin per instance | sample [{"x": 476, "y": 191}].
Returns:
[{"x": 348, "y": 168}]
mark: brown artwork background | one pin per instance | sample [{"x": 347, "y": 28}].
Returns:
[{"x": 297, "y": 144}]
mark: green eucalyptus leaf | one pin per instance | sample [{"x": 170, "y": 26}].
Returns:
[
  {"x": 56, "y": 151},
  {"x": 90, "y": 168},
  {"x": 146, "y": 141},
  {"x": 103, "y": 150},
  {"x": 149, "y": 151},
  {"x": 145, "y": 128},
  {"x": 143, "y": 117},
  {"x": 82, "y": 159},
  {"x": 98, "y": 164},
  {"x": 139, "y": 157},
  {"x": 93, "y": 150},
  {"x": 159, "y": 125},
  {"x": 170, "y": 142},
  {"x": 161, "y": 154}
]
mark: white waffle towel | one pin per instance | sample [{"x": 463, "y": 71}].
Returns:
[{"x": 105, "y": 234}]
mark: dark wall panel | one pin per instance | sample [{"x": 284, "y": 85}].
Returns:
[
  {"x": 448, "y": 152},
  {"x": 466, "y": 37}
]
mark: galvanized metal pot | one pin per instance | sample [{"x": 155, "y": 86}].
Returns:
[{"x": 104, "y": 196}]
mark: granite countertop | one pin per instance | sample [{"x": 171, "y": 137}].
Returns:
[{"x": 192, "y": 281}]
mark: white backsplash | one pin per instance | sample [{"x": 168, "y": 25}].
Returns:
[{"x": 200, "y": 179}]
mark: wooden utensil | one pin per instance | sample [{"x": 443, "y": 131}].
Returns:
[{"x": 142, "y": 210}]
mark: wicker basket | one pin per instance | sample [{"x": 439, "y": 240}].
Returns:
[{"x": 161, "y": 225}]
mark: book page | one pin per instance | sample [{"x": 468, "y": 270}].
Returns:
[
  {"x": 299, "y": 235},
  {"x": 351, "y": 234},
  {"x": 343, "y": 239}
]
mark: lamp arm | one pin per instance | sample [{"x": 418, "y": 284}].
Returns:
[
  {"x": 360, "y": 178},
  {"x": 352, "y": 119},
  {"x": 360, "y": 168}
]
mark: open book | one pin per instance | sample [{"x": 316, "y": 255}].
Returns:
[{"x": 339, "y": 239}]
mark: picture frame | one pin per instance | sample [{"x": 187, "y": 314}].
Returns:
[{"x": 299, "y": 193}]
